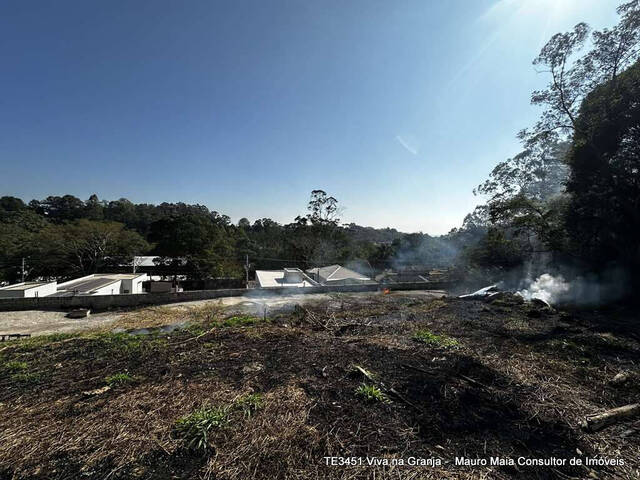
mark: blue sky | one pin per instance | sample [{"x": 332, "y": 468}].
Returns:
[{"x": 397, "y": 108}]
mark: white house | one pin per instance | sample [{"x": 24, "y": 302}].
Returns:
[
  {"x": 28, "y": 290},
  {"x": 103, "y": 284},
  {"x": 288, "y": 277},
  {"x": 337, "y": 275}
]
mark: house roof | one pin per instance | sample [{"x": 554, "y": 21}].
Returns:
[
  {"x": 24, "y": 286},
  {"x": 276, "y": 278},
  {"x": 91, "y": 283},
  {"x": 336, "y": 272}
]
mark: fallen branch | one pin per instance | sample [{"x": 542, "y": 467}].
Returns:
[{"x": 593, "y": 423}]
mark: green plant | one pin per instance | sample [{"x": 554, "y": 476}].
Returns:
[
  {"x": 241, "y": 320},
  {"x": 14, "y": 366},
  {"x": 249, "y": 404},
  {"x": 194, "y": 428},
  {"x": 26, "y": 377},
  {"x": 430, "y": 338},
  {"x": 119, "y": 379},
  {"x": 370, "y": 393}
]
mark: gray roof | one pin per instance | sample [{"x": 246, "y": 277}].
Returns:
[
  {"x": 336, "y": 272},
  {"x": 24, "y": 286},
  {"x": 94, "y": 282}
]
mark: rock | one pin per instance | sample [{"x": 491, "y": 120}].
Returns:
[
  {"x": 97, "y": 391},
  {"x": 79, "y": 313},
  {"x": 253, "y": 368},
  {"x": 621, "y": 378}
]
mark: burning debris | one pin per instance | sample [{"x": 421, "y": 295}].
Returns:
[{"x": 547, "y": 288}]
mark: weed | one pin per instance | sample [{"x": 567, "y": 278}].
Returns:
[
  {"x": 371, "y": 393},
  {"x": 195, "y": 329},
  {"x": 194, "y": 428},
  {"x": 249, "y": 404},
  {"x": 26, "y": 377},
  {"x": 34, "y": 343},
  {"x": 119, "y": 380},
  {"x": 124, "y": 344},
  {"x": 15, "y": 366},
  {"x": 430, "y": 338},
  {"x": 241, "y": 320}
]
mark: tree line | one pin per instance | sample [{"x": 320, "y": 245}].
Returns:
[{"x": 64, "y": 236}]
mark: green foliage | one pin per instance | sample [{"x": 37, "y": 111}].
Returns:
[
  {"x": 249, "y": 404},
  {"x": 193, "y": 429},
  {"x": 125, "y": 345},
  {"x": 370, "y": 393},
  {"x": 119, "y": 380},
  {"x": 430, "y": 338},
  {"x": 603, "y": 217},
  {"x": 26, "y": 377},
  {"x": 241, "y": 320},
  {"x": 15, "y": 366}
]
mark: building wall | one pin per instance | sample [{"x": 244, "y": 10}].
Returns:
[
  {"x": 39, "y": 291},
  {"x": 111, "y": 289},
  {"x": 133, "y": 285}
]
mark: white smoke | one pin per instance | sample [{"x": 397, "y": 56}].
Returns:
[{"x": 546, "y": 287}]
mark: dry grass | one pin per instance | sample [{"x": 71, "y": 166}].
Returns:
[
  {"x": 289, "y": 392},
  {"x": 168, "y": 315}
]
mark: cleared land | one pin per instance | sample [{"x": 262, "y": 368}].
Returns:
[{"x": 235, "y": 395}]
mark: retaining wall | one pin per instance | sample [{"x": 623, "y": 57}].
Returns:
[{"x": 106, "y": 302}]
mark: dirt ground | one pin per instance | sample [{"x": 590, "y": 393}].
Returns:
[
  {"x": 39, "y": 322},
  {"x": 454, "y": 379}
]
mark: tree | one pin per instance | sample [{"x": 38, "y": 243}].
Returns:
[
  {"x": 82, "y": 247},
  {"x": 613, "y": 50},
  {"x": 603, "y": 219},
  {"x": 323, "y": 209}
]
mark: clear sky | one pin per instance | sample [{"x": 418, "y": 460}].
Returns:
[{"x": 397, "y": 108}]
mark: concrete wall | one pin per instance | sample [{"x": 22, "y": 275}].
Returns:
[{"x": 106, "y": 302}]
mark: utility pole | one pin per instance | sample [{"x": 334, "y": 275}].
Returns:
[
  {"x": 134, "y": 264},
  {"x": 246, "y": 270},
  {"x": 23, "y": 274}
]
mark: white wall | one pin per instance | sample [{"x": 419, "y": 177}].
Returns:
[
  {"x": 134, "y": 285},
  {"x": 111, "y": 289},
  {"x": 38, "y": 291}
]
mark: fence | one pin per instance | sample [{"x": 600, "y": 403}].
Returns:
[{"x": 106, "y": 302}]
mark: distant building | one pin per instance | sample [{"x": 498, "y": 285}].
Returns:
[
  {"x": 28, "y": 290},
  {"x": 338, "y": 275},
  {"x": 103, "y": 284},
  {"x": 288, "y": 277}
]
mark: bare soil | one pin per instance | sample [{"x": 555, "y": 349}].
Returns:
[{"x": 517, "y": 382}]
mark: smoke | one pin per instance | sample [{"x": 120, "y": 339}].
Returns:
[
  {"x": 547, "y": 288},
  {"x": 586, "y": 290}
]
